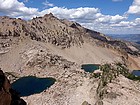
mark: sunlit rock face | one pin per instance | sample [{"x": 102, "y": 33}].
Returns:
[{"x": 7, "y": 95}]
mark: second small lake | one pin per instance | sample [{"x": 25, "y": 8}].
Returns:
[
  {"x": 30, "y": 85},
  {"x": 136, "y": 72},
  {"x": 90, "y": 67}
]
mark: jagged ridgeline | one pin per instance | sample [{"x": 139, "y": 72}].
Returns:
[{"x": 59, "y": 32}]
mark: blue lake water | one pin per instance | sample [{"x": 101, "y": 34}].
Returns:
[
  {"x": 90, "y": 67},
  {"x": 30, "y": 85},
  {"x": 136, "y": 72}
]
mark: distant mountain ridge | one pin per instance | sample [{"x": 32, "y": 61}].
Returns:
[{"x": 127, "y": 37}]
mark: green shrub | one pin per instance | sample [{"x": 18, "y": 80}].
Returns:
[{"x": 133, "y": 77}]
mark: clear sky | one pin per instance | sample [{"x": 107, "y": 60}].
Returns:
[{"x": 106, "y": 16}]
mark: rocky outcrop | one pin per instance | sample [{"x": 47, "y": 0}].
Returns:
[
  {"x": 5, "y": 97},
  {"x": 8, "y": 96},
  {"x": 42, "y": 58},
  {"x": 12, "y": 76}
]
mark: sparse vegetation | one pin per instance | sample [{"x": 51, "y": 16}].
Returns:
[
  {"x": 96, "y": 75},
  {"x": 110, "y": 72},
  {"x": 133, "y": 77}
]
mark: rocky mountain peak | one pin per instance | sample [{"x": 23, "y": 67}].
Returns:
[
  {"x": 49, "y": 15},
  {"x": 50, "y": 29}
]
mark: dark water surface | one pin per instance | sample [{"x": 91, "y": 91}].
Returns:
[
  {"x": 136, "y": 72},
  {"x": 30, "y": 85},
  {"x": 90, "y": 67}
]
